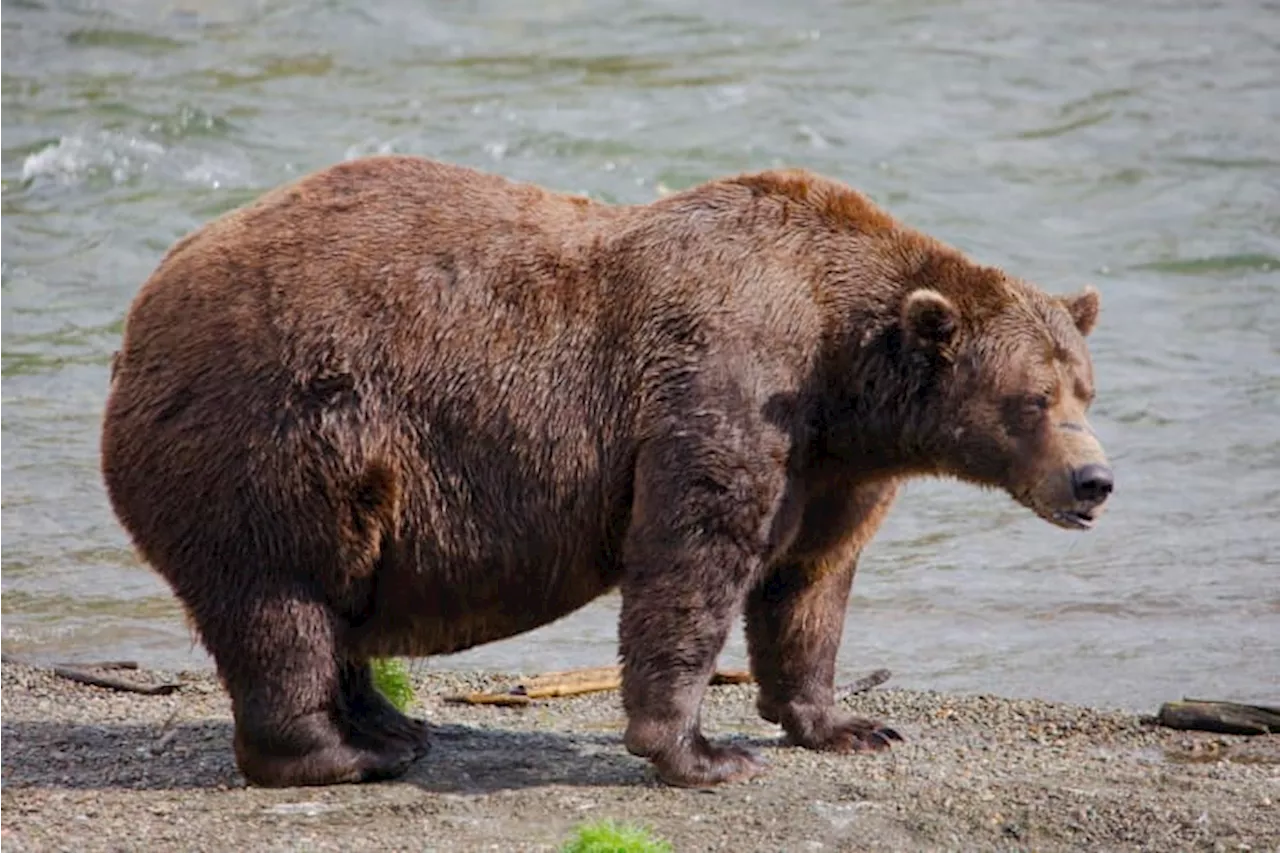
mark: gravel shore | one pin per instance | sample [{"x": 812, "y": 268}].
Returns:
[{"x": 86, "y": 769}]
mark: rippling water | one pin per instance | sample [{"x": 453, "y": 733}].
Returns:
[{"x": 1136, "y": 146}]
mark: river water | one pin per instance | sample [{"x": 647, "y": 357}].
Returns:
[{"x": 1136, "y": 146}]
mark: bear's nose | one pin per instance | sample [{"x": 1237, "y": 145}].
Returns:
[{"x": 1092, "y": 483}]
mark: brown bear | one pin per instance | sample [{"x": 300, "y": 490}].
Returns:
[{"x": 403, "y": 408}]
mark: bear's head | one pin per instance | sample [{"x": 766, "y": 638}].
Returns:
[{"x": 1008, "y": 382}]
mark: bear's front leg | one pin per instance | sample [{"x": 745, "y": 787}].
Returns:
[
  {"x": 795, "y": 619},
  {"x": 699, "y": 527}
]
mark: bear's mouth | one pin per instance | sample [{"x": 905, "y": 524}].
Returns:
[{"x": 1075, "y": 519}]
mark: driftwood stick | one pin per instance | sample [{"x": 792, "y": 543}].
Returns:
[
  {"x": 862, "y": 685},
  {"x": 569, "y": 688},
  {"x": 1268, "y": 709},
  {"x": 79, "y": 673},
  {"x": 487, "y": 699},
  {"x": 1230, "y": 718},
  {"x": 111, "y": 683},
  {"x": 574, "y": 682},
  {"x": 731, "y": 676},
  {"x": 167, "y": 733},
  {"x": 572, "y": 676},
  {"x": 597, "y": 678}
]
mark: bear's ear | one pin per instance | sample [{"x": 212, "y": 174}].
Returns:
[
  {"x": 1083, "y": 308},
  {"x": 930, "y": 320}
]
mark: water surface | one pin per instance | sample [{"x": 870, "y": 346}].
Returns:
[{"x": 1131, "y": 145}]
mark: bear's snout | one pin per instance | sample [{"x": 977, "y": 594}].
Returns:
[
  {"x": 1092, "y": 483},
  {"x": 1082, "y": 495}
]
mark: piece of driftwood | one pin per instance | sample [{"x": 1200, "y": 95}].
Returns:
[
  {"x": 553, "y": 690},
  {"x": 100, "y": 664},
  {"x": 95, "y": 679},
  {"x": 574, "y": 682},
  {"x": 1230, "y": 718},
  {"x": 507, "y": 699},
  {"x": 731, "y": 676},
  {"x": 80, "y": 673},
  {"x": 862, "y": 685},
  {"x": 570, "y": 682},
  {"x": 168, "y": 732}
]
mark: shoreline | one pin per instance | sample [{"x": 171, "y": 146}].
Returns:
[{"x": 86, "y": 768}]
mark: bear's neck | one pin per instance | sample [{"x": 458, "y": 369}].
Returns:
[{"x": 876, "y": 413}]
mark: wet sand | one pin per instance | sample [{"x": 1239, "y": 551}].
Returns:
[{"x": 86, "y": 769}]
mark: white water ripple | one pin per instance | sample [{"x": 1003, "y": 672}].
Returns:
[{"x": 119, "y": 158}]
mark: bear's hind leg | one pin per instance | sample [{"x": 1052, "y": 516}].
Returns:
[
  {"x": 373, "y": 718},
  {"x": 280, "y": 663}
]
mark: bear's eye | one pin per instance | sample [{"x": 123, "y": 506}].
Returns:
[{"x": 1025, "y": 413}]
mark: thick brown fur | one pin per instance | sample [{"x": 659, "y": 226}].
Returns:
[{"x": 404, "y": 408}]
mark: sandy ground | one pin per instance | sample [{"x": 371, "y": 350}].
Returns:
[{"x": 91, "y": 769}]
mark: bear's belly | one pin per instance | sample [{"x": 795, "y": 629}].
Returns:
[
  {"x": 438, "y": 612},
  {"x": 494, "y": 544}
]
